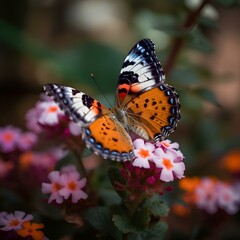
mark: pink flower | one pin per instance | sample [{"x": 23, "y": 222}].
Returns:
[
  {"x": 206, "y": 197},
  {"x": 13, "y": 221},
  {"x": 166, "y": 144},
  {"x": 26, "y": 141},
  {"x": 228, "y": 198},
  {"x": 8, "y": 138},
  {"x": 65, "y": 183},
  {"x": 32, "y": 117},
  {"x": 143, "y": 153},
  {"x": 170, "y": 167},
  {"x": 74, "y": 128},
  {"x": 46, "y": 112},
  {"x": 54, "y": 187},
  {"x": 73, "y": 186},
  {"x": 50, "y": 113}
]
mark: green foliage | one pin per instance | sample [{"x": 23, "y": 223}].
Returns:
[
  {"x": 156, "y": 207},
  {"x": 101, "y": 219}
]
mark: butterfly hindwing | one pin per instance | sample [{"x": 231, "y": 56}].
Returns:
[
  {"x": 101, "y": 132},
  {"x": 157, "y": 110},
  {"x": 107, "y": 137}
]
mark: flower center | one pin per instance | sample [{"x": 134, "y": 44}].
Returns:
[
  {"x": 72, "y": 186},
  {"x": 167, "y": 163},
  {"x": 165, "y": 144},
  {"x": 53, "y": 109},
  {"x": 8, "y": 137},
  {"x": 14, "y": 222},
  {"x": 56, "y": 187},
  {"x": 143, "y": 153}
]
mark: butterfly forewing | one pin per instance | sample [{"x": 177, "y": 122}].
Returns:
[
  {"x": 141, "y": 71},
  {"x": 152, "y": 105},
  {"x": 77, "y": 105}
]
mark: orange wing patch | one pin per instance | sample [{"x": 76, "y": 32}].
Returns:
[
  {"x": 158, "y": 111},
  {"x": 106, "y": 137}
]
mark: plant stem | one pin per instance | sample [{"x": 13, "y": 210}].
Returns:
[
  {"x": 137, "y": 201},
  {"x": 178, "y": 41}
]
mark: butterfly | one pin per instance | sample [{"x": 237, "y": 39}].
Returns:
[{"x": 145, "y": 105}]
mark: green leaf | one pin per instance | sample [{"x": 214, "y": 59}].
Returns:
[
  {"x": 101, "y": 219},
  {"x": 139, "y": 221},
  {"x": 123, "y": 223},
  {"x": 157, "y": 231},
  {"x": 185, "y": 76},
  {"x": 189, "y": 100},
  {"x": 207, "y": 95},
  {"x": 80, "y": 61},
  {"x": 208, "y": 22},
  {"x": 158, "y": 208},
  {"x": 228, "y": 3},
  {"x": 199, "y": 42}
]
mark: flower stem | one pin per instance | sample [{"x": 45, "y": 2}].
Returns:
[
  {"x": 178, "y": 41},
  {"x": 136, "y": 202}
]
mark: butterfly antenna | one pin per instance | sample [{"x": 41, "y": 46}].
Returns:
[{"x": 100, "y": 90}]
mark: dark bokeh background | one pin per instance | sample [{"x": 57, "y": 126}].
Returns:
[{"x": 65, "y": 41}]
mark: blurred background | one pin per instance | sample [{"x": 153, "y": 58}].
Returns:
[{"x": 65, "y": 41}]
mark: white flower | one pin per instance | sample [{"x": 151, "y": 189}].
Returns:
[
  {"x": 170, "y": 167},
  {"x": 143, "y": 153}
]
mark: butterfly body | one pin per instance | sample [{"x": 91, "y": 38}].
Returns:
[{"x": 145, "y": 105}]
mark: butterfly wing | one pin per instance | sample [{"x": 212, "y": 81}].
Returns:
[
  {"x": 141, "y": 71},
  {"x": 152, "y": 106},
  {"x": 154, "y": 114},
  {"x": 100, "y": 131}
]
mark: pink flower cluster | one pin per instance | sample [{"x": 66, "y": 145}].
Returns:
[
  {"x": 63, "y": 184},
  {"x": 46, "y": 114},
  {"x": 211, "y": 194},
  {"x": 19, "y": 225},
  {"x": 13, "y": 221},
  {"x": 12, "y": 138},
  {"x": 166, "y": 156}
]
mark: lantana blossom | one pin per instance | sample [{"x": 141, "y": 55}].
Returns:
[
  {"x": 167, "y": 144},
  {"x": 228, "y": 197},
  {"x": 65, "y": 183},
  {"x": 170, "y": 168},
  {"x": 167, "y": 157},
  {"x": 72, "y": 185},
  {"x": 143, "y": 152},
  {"x": 56, "y": 184},
  {"x": 50, "y": 113},
  {"x": 9, "y": 137},
  {"x": 211, "y": 194},
  {"x": 13, "y": 221},
  {"x": 206, "y": 197}
]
